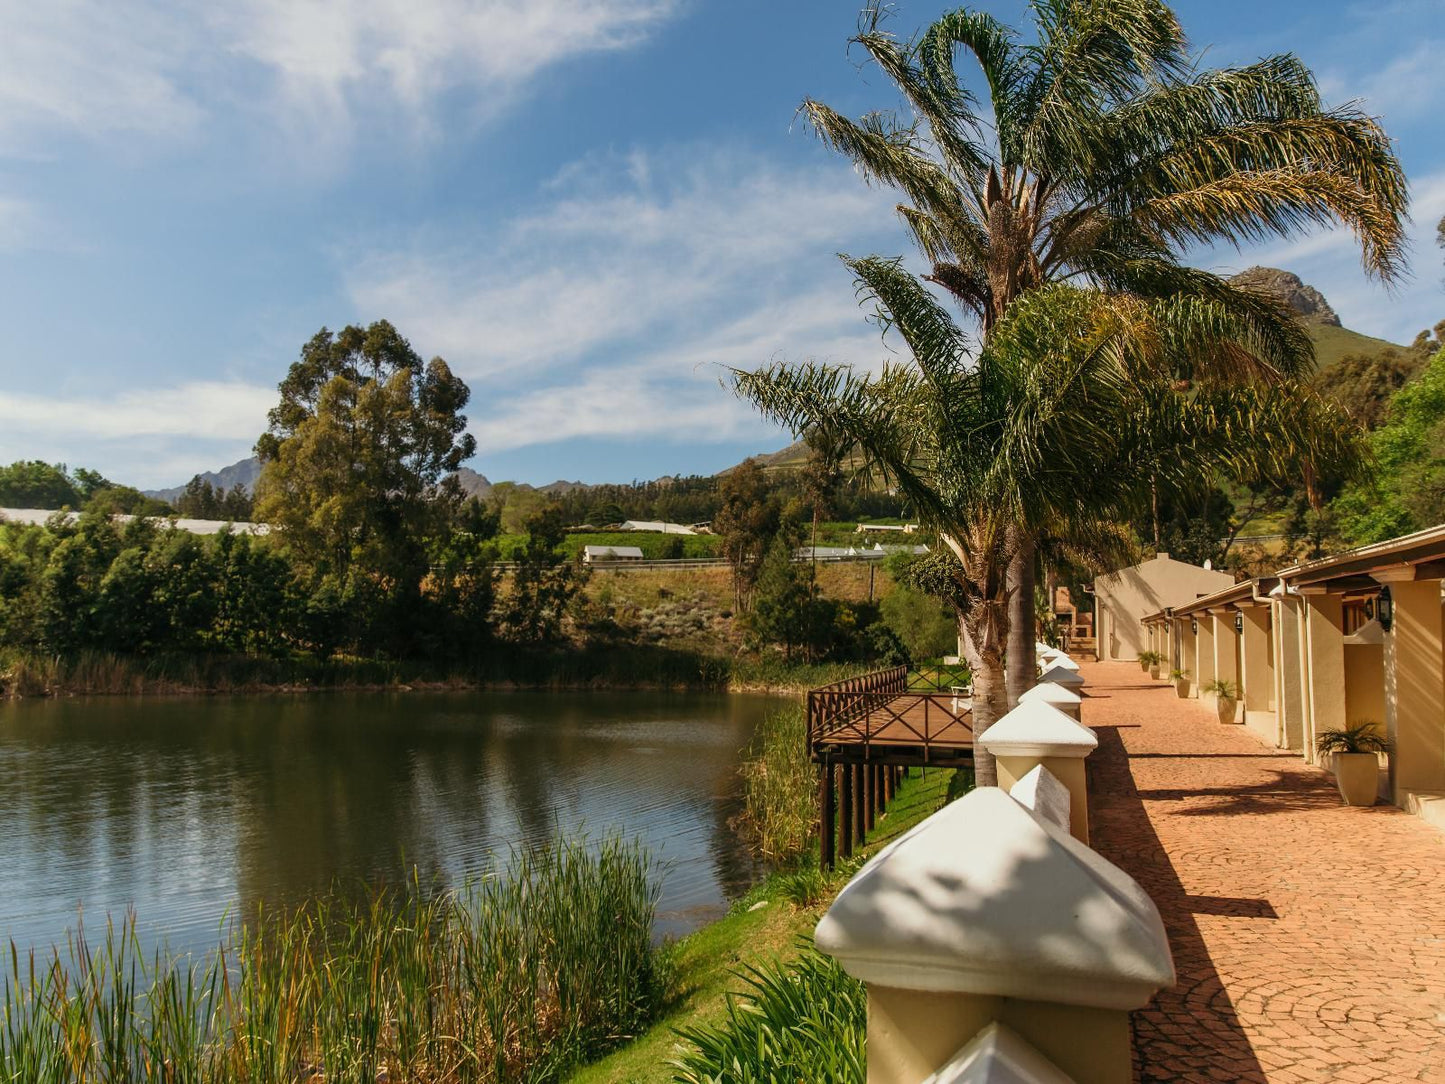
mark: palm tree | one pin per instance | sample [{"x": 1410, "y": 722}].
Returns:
[
  {"x": 1054, "y": 423},
  {"x": 1102, "y": 153}
]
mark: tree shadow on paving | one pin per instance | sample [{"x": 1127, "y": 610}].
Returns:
[
  {"x": 1286, "y": 792},
  {"x": 1190, "y": 1031},
  {"x": 1293, "y": 758}
]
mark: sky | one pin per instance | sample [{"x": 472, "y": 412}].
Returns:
[{"x": 590, "y": 208}]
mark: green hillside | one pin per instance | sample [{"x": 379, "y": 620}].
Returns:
[{"x": 1333, "y": 343}]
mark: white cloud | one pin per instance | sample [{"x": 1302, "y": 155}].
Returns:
[
  {"x": 1403, "y": 89},
  {"x": 157, "y": 68},
  {"x": 612, "y": 310},
  {"x": 202, "y": 410},
  {"x": 679, "y": 392},
  {"x": 668, "y": 252}
]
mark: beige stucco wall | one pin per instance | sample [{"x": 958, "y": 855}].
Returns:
[
  {"x": 1124, "y": 598},
  {"x": 1365, "y": 684}
]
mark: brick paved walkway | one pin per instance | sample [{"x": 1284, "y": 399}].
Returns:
[{"x": 1309, "y": 937}]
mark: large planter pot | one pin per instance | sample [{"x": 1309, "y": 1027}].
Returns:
[
  {"x": 1154, "y": 671},
  {"x": 1181, "y": 689},
  {"x": 1358, "y": 777},
  {"x": 1144, "y": 665},
  {"x": 1225, "y": 706}
]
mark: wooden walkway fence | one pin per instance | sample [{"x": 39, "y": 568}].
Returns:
[{"x": 865, "y": 732}]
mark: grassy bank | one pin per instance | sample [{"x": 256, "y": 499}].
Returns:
[
  {"x": 622, "y": 666},
  {"x": 765, "y": 924},
  {"x": 518, "y": 977}
]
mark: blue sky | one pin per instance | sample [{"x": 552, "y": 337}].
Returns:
[{"x": 586, "y": 206}]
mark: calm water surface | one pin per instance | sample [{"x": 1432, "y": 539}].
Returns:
[{"x": 183, "y": 808}]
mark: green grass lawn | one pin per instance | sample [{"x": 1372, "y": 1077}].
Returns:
[{"x": 706, "y": 959}]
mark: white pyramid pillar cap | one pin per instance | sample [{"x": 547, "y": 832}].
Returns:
[
  {"x": 1044, "y": 795},
  {"x": 1060, "y": 659},
  {"x": 1036, "y": 729},
  {"x": 999, "y": 1055},
  {"x": 983, "y": 898},
  {"x": 1051, "y": 693},
  {"x": 1061, "y": 675},
  {"x": 1040, "y": 647}
]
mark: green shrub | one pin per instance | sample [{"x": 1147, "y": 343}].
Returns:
[
  {"x": 804, "y": 1021},
  {"x": 1360, "y": 738}
]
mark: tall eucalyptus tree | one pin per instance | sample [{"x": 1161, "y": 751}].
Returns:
[{"x": 1097, "y": 152}]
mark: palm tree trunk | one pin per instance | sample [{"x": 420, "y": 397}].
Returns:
[
  {"x": 1020, "y": 656},
  {"x": 989, "y": 705}
]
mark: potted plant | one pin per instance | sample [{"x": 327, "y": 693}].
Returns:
[
  {"x": 1354, "y": 760},
  {"x": 1226, "y": 695},
  {"x": 1181, "y": 682},
  {"x": 1149, "y": 662}
]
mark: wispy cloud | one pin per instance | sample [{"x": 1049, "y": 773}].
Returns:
[
  {"x": 612, "y": 310},
  {"x": 1405, "y": 88},
  {"x": 134, "y": 435},
  {"x": 158, "y": 68},
  {"x": 681, "y": 391},
  {"x": 667, "y": 252},
  {"x": 225, "y": 411},
  {"x": 93, "y": 68}
]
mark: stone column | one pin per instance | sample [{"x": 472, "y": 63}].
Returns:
[
  {"x": 1057, "y": 674},
  {"x": 1203, "y": 653},
  {"x": 1415, "y": 691},
  {"x": 1256, "y": 675},
  {"x": 987, "y": 922},
  {"x": 1056, "y": 696},
  {"x": 1035, "y": 734},
  {"x": 1226, "y": 647},
  {"x": 1289, "y": 672},
  {"x": 1324, "y": 673},
  {"x": 1185, "y": 633}
]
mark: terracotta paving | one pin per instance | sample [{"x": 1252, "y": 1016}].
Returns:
[{"x": 1309, "y": 937}]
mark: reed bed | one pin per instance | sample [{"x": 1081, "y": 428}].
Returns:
[
  {"x": 779, "y": 816},
  {"x": 514, "y": 977}
]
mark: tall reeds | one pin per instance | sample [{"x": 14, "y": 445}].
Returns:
[
  {"x": 779, "y": 814},
  {"x": 515, "y": 977}
]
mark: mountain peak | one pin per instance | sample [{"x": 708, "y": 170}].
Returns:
[{"x": 1308, "y": 302}]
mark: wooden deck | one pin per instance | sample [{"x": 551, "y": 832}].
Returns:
[
  {"x": 893, "y": 716},
  {"x": 864, "y": 732}
]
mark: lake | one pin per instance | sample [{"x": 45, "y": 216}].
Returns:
[{"x": 184, "y": 808}]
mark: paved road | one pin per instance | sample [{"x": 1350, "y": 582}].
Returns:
[{"x": 1309, "y": 937}]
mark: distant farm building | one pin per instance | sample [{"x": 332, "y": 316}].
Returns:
[
  {"x": 40, "y": 516},
  {"x": 656, "y": 528},
  {"x": 876, "y": 552},
  {"x": 592, "y": 555},
  {"x": 901, "y": 528}
]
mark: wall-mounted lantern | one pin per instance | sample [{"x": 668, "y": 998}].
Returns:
[
  {"x": 1194, "y": 625},
  {"x": 1239, "y": 621},
  {"x": 1385, "y": 608}
]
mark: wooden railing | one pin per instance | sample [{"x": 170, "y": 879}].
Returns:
[
  {"x": 840, "y": 705},
  {"x": 904, "y": 708}
]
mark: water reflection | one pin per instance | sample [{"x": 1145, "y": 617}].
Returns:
[{"x": 183, "y": 808}]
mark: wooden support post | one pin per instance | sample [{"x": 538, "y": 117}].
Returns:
[
  {"x": 847, "y": 826},
  {"x": 860, "y": 802},
  {"x": 870, "y": 795},
  {"x": 826, "y": 839}
]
